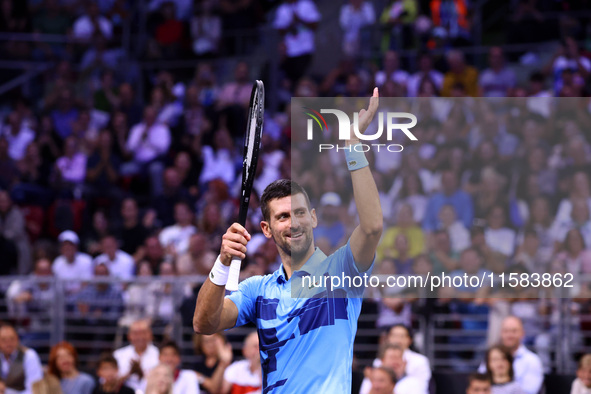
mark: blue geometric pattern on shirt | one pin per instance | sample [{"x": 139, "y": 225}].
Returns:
[{"x": 317, "y": 312}]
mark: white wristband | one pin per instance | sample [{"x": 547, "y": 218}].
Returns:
[{"x": 219, "y": 273}]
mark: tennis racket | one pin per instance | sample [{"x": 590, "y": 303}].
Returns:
[{"x": 252, "y": 143}]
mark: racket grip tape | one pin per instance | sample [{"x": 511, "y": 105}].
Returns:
[{"x": 232, "y": 284}]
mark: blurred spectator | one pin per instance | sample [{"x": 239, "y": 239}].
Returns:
[
  {"x": 574, "y": 253},
  {"x": 168, "y": 33},
  {"x": 245, "y": 376},
  {"x": 296, "y": 21},
  {"x": 71, "y": 264},
  {"x": 459, "y": 74},
  {"x": 99, "y": 228},
  {"x": 148, "y": 142},
  {"x": 65, "y": 113},
  {"x": 206, "y": 29},
  {"x": 216, "y": 356},
  {"x": 454, "y": 17},
  {"x": 238, "y": 20},
  {"x": 87, "y": 24},
  {"x": 152, "y": 252},
  {"x": 443, "y": 257},
  {"x": 70, "y": 169},
  {"x": 119, "y": 263},
  {"x": 160, "y": 302},
  {"x": 330, "y": 226},
  {"x": 12, "y": 228},
  {"x": 413, "y": 234},
  {"x": 185, "y": 380},
  {"x": 353, "y": 17},
  {"x": 63, "y": 364},
  {"x": 582, "y": 384},
  {"x": 97, "y": 62},
  {"x": 417, "y": 365},
  {"x": 526, "y": 364},
  {"x": 175, "y": 238},
  {"x": 34, "y": 296},
  {"x": 18, "y": 134},
  {"x": 499, "y": 366},
  {"x": 159, "y": 380},
  {"x": 398, "y": 17},
  {"x": 128, "y": 105},
  {"x": 174, "y": 192},
  {"x": 136, "y": 295},
  {"x": 458, "y": 233},
  {"x": 8, "y": 169},
  {"x": 425, "y": 73},
  {"x": 499, "y": 237},
  {"x": 392, "y": 358},
  {"x": 569, "y": 58},
  {"x": 21, "y": 366},
  {"x": 383, "y": 381},
  {"x": 132, "y": 233},
  {"x": 450, "y": 194},
  {"x": 102, "y": 169},
  {"x": 237, "y": 92},
  {"x": 139, "y": 357},
  {"x": 410, "y": 192},
  {"x": 391, "y": 71},
  {"x": 498, "y": 79},
  {"x": 218, "y": 160},
  {"x": 479, "y": 383},
  {"x": 109, "y": 383},
  {"x": 198, "y": 259}
]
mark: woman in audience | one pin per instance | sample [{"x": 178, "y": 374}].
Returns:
[
  {"x": 63, "y": 361},
  {"x": 582, "y": 384},
  {"x": 499, "y": 366},
  {"x": 216, "y": 356}
]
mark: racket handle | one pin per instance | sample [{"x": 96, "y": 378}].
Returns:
[{"x": 232, "y": 283}]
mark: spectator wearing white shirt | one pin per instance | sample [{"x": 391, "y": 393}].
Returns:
[
  {"x": 569, "y": 58},
  {"x": 383, "y": 381},
  {"x": 185, "y": 380},
  {"x": 175, "y": 239},
  {"x": 296, "y": 21},
  {"x": 416, "y": 365},
  {"x": 86, "y": 25},
  {"x": 498, "y": 79},
  {"x": 392, "y": 357},
  {"x": 71, "y": 264},
  {"x": 147, "y": 142},
  {"x": 20, "y": 367},
  {"x": 138, "y": 358},
  {"x": 498, "y": 237},
  {"x": 218, "y": 161},
  {"x": 18, "y": 135},
  {"x": 120, "y": 264},
  {"x": 582, "y": 384},
  {"x": 579, "y": 219},
  {"x": 70, "y": 169},
  {"x": 245, "y": 376},
  {"x": 353, "y": 17},
  {"x": 391, "y": 71},
  {"x": 527, "y": 366},
  {"x": 426, "y": 71}
]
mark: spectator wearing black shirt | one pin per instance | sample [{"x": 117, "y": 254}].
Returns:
[
  {"x": 173, "y": 192},
  {"x": 132, "y": 233},
  {"x": 109, "y": 382}
]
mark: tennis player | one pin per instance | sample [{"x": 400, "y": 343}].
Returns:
[{"x": 306, "y": 343}]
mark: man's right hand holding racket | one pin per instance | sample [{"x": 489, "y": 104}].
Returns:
[{"x": 213, "y": 312}]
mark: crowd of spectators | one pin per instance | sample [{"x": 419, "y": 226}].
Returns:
[{"x": 99, "y": 182}]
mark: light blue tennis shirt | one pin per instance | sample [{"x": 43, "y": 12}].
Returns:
[{"x": 306, "y": 344}]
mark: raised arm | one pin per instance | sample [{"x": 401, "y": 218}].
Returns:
[
  {"x": 366, "y": 236},
  {"x": 214, "y": 312}
]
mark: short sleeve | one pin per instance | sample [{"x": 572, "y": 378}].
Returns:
[
  {"x": 347, "y": 266},
  {"x": 283, "y": 17},
  {"x": 245, "y": 300},
  {"x": 308, "y": 12}
]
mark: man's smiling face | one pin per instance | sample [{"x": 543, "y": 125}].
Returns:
[{"x": 291, "y": 223}]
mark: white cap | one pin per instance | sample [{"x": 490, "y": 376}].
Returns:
[
  {"x": 69, "y": 236},
  {"x": 330, "y": 198}
]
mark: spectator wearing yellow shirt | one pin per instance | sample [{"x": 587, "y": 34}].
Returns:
[
  {"x": 459, "y": 74},
  {"x": 405, "y": 225}
]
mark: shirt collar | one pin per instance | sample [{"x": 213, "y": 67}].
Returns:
[{"x": 310, "y": 266}]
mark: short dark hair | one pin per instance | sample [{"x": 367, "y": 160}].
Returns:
[
  {"x": 508, "y": 356},
  {"x": 279, "y": 189},
  {"x": 391, "y": 374},
  {"x": 107, "y": 358},
  {"x": 479, "y": 377},
  {"x": 171, "y": 344}
]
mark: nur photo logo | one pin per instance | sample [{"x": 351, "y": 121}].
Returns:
[{"x": 394, "y": 121}]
